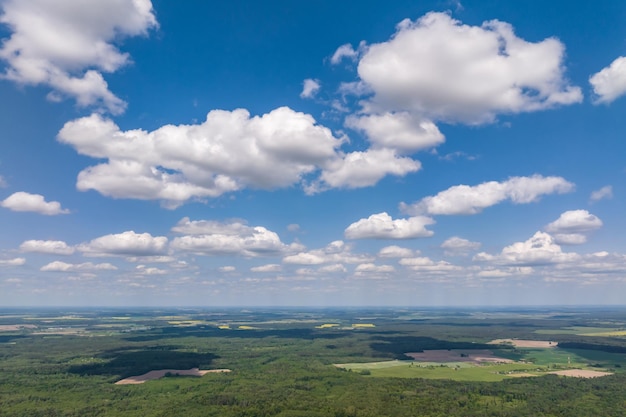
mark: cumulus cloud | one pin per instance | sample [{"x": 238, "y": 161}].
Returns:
[
  {"x": 229, "y": 151},
  {"x": 465, "y": 199},
  {"x": 58, "y": 266},
  {"x": 12, "y": 262},
  {"x": 228, "y": 268},
  {"x": 54, "y": 247},
  {"x": 394, "y": 251},
  {"x": 230, "y": 238},
  {"x": 310, "y": 88},
  {"x": 267, "y": 268},
  {"x": 427, "y": 265},
  {"x": 67, "y": 44},
  {"x": 382, "y": 226},
  {"x": 605, "y": 192},
  {"x": 610, "y": 83},
  {"x": 541, "y": 249},
  {"x": 35, "y": 203},
  {"x": 440, "y": 69},
  {"x": 146, "y": 270},
  {"x": 127, "y": 243},
  {"x": 334, "y": 268},
  {"x": 459, "y": 246},
  {"x": 572, "y": 227},
  {"x": 363, "y": 169},
  {"x": 336, "y": 252},
  {"x": 400, "y": 131},
  {"x": 370, "y": 267}
]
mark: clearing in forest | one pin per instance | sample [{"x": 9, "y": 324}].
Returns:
[{"x": 140, "y": 379}]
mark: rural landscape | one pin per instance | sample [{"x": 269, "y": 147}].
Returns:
[{"x": 313, "y": 362}]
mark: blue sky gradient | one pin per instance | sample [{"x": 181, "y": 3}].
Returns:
[{"x": 321, "y": 153}]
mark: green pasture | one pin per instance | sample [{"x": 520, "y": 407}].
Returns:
[
  {"x": 456, "y": 371},
  {"x": 584, "y": 331}
]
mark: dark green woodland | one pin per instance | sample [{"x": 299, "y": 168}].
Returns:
[{"x": 283, "y": 362}]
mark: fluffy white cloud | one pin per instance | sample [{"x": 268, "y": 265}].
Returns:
[
  {"x": 363, "y": 169},
  {"x": 465, "y": 199},
  {"x": 572, "y": 226},
  {"x": 228, "y": 151},
  {"x": 13, "y": 262},
  {"x": 395, "y": 252},
  {"x": 234, "y": 238},
  {"x": 334, "y": 268},
  {"x": 370, "y": 267},
  {"x": 610, "y": 82},
  {"x": 605, "y": 192},
  {"x": 127, "y": 243},
  {"x": 336, "y": 252},
  {"x": 310, "y": 88},
  {"x": 58, "y": 266},
  {"x": 382, "y": 226},
  {"x": 145, "y": 270},
  {"x": 459, "y": 246},
  {"x": 66, "y": 44},
  {"x": 36, "y": 203},
  {"x": 424, "y": 264},
  {"x": 400, "y": 131},
  {"x": 267, "y": 268},
  {"x": 441, "y": 69},
  {"x": 55, "y": 247},
  {"x": 541, "y": 249}
]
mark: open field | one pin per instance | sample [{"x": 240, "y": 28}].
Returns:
[
  {"x": 581, "y": 373},
  {"x": 157, "y": 374},
  {"x": 541, "y": 344},
  {"x": 476, "y": 356}
]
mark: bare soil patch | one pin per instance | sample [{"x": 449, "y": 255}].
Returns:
[
  {"x": 475, "y": 356},
  {"x": 581, "y": 373},
  {"x": 14, "y": 327},
  {"x": 140, "y": 379},
  {"x": 525, "y": 343}
]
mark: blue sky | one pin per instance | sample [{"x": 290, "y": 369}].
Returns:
[{"x": 292, "y": 153}]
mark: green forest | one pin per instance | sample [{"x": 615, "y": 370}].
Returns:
[{"x": 324, "y": 362}]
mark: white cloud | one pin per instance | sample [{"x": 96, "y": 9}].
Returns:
[
  {"x": 440, "y": 69},
  {"x": 424, "y": 264},
  {"x": 66, "y": 44},
  {"x": 36, "y": 203},
  {"x": 228, "y": 268},
  {"x": 395, "y": 252},
  {"x": 541, "y": 249},
  {"x": 605, "y": 192},
  {"x": 55, "y": 247},
  {"x": 234, "y": 238},
  {"x": 145, "y": 270},
  {"x": 58, "y": 266},
  {"x": 336, "y": 252},
  {"x": 227, "y": 152},
  {"x": 363, "y": 169},
  {"x": 127, "y": 243},
  {"x": 267, "y": 268},
  {"x": 400, "y": 131},
  {"x": 13, "y": 262},
  {"x": 334, "y": 268},
  {"x": 3, "y": 182},
  {"x": 370, "y": 267},
  {"x": 382, "y": 226},
  {"x": 572, "y": 226},
  {"x": 459, "y": 246},
  {"x": 465, "y": 199},
  {"x": 310, "y": 88},
  {"x": 347, "y": 51},
  {"x": 610, "y": 82}
]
